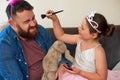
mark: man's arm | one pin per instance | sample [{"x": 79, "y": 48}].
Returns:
[{"x": 9, "y": 69}]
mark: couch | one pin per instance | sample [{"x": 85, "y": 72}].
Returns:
[{"x": 110, "y": 44}]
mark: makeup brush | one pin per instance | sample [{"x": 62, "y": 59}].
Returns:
[{"x": 45, "y": 15}]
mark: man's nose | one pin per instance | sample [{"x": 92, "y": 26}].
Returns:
[{"x": 32, "y": 23}]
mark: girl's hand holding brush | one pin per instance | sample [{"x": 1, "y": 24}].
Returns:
[
  {"x": 54, "y": 18},
  {"x": 50, "y": 14}
]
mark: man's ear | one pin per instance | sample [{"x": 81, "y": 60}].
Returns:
[{"x": 12, "y": 23}]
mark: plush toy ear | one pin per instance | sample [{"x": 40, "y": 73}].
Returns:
[
  {"x": 59, "y": 46},
  {"x": 59, "y": 57},
  {"x": 68, "y": 56}
]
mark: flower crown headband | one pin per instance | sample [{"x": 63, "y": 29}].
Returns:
[
  {"x": 12, "y": 2},
  {"x": 91, "y": 21}
]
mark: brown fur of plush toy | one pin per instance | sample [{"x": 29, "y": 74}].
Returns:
[{"x": 52, "y": 58}]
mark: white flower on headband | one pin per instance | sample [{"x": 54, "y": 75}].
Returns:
[{"x": 92, "y": 22}]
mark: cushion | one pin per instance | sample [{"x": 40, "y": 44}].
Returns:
[{"x": 117, "y": 66}]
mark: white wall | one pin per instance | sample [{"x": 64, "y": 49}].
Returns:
[{"x": 74, "y": 10}]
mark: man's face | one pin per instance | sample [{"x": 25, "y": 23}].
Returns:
[{"x": 26, "y": 24}]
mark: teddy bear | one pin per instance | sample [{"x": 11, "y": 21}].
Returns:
[{"x": 52, "y": 58}]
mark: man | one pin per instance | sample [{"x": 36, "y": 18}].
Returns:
[{"x": 23, "y": 44}]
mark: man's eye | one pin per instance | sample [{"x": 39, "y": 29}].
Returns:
[
  {"x": 33, "y": 18},
  {"x": 27, "y": 21}
]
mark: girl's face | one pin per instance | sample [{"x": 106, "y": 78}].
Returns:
[{"x": 83, "y": 30}]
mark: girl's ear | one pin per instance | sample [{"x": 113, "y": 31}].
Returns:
[{"x": 95, "y": 35}]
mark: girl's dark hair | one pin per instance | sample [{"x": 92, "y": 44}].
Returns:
[
  {"x": 106, "y": 30},
  {"x": 18, "y": 6}
]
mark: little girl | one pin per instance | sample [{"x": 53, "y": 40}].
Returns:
[{"x": 90, "y": 60}]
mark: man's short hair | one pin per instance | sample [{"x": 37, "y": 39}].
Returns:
[{"x": 18, "y": 6}]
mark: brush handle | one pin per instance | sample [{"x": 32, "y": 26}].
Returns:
[
  {"x": 44, "y": 15},
  {"x": 57, "y": 12},
  {"x": 54, "y": 13}
]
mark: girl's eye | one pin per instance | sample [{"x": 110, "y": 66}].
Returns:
[{"x": 82, "y": 28}]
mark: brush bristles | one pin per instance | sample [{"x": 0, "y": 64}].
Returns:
[{"x": 43, "y": 16}]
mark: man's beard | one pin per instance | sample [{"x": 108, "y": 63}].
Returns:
[{"x": 28, "y": 34}]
